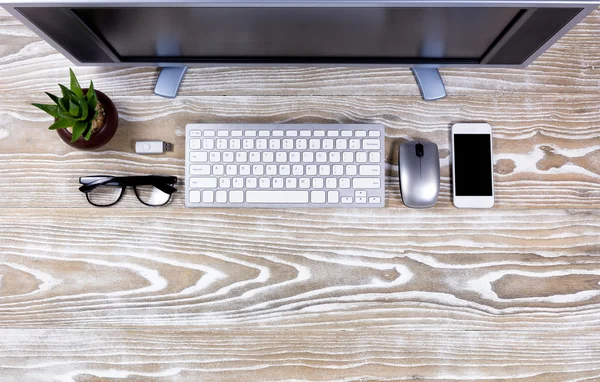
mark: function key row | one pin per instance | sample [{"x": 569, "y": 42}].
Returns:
[{"x": 284, "y": 133}]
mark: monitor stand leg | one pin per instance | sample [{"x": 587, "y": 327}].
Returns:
[
  {"x": 169, "y": 80},
  {"x": 430, "y": 83}
]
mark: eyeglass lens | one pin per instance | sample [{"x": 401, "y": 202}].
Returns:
[{"x": 103, "y": 196}]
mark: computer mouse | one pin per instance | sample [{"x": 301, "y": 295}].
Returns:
[{"x": 419, "y": 168}]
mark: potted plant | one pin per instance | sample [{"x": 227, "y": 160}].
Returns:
[{"x": 84, "y": 118}]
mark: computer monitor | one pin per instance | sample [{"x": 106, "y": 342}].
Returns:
[{"x": 423, "y": 34}]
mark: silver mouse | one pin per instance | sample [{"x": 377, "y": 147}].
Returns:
[{"x": 419, "y": 167}]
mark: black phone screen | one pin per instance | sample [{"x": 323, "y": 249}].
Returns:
[{"x": 472, "y": 165}]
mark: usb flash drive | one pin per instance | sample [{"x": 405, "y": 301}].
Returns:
[{"x": 152, "y": 147}]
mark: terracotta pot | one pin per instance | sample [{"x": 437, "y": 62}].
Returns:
[{"x": 102, "y": 136}]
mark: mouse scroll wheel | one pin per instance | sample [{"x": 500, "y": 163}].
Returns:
[{"x": 419, "y": 149}]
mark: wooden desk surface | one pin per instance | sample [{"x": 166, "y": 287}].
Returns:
[{"x": 177, "y": 294}]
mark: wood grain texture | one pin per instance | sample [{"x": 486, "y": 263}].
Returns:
[
  {"x": 259, "y": 355},
  {"x": 174, "y": 294}
]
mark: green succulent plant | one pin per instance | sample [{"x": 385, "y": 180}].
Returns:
[{"x": 74, "y": 109}]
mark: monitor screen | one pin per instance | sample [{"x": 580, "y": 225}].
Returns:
[{"x": 459, "y": 34}]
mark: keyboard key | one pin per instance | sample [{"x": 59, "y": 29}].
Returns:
[
  {"x": 221, "y": 144},
  {"x": 209, "y": 133},
  {"x": 238, "y": 182},
  {"x": 264, "y": 183},
  {"x": 317, "y": 183},
  {"x": 251, "y": 183},
  {"x": 366, "y": 183},
  {"x": 254, "y": 157},
  {"x": 288, "y": 144},
  {"x": 225, "y": 183},
  {"x": 214, "y": 156},
  {"x": 208, "y": 144},
  {"x": 201, "y": 156},
  {"x": 291, "y": 133},
  {"x": 351, "y": 170},
  {"x": 360, "y": 193},
  {"x": 304, "y": 183},
  {"x": 333, "y": 197},
  {"x": 333, "y": 133},
  {"x": 218, "y": 169},
  {"x": 207, "y": 196},
  {"x": 278, "y": 133},
  {"x": 236, "y": 196},
  {"x": 245, "y": 169},
  {"x": 301, "y": 144},
  {"x": 221, "y": 196},
  {"x": 371, "y": 144},
  {"x": 241, "y": 156},
  {"x": 354, "y": 144},
  {"x": 317, "y": 196},
  {"x": 231, "y": 169},
  {"x": 319, "y": 133},
  {"x": 258, "y": 169},
  {"x": 227, "y": 157},
  {"x": 308, "y": 157},
  {"x": 274, "y": 197},
  {"x": 321, "y": 157},
  {"x": 268, "y": 157},
  {"x": 361, "y": 157},
  {"x": 348, "y": 157},
  {"x": 346, "y": 133},
  {"x": 281, "y": 157},
  {"x": 195, "y": 133},
  {"x": 291, "y": 182},
  {"x": 297, "y": 170},
  {"x": 235, "y": 144},
  {"x": 324, "y": 170},
  {"x": 264, "y": 133},
  {"x": 334, "y": 157},
  {"x": 200, "y": 169},
  {"x": 338, "y": 170},
  {"x": 277, "y": 182},
  {"x": 248, "y": 144},
  {"x": 294, "y": 157},
  {"x": 331, "y": 183},
  {"x": 374, "y": 200},
  {"x": 346, "y": 199},
  {"x": 369, "y": 170},
  {"x": 195, "y": 144},
  {"x": 374, "y": 133},
  {"x": 374, "y": 157},
  {"x": 284, "y": 169},
  {"x": 237, "y": 133},
  {"x": 360, "y": 133},
  {"x": 311, "y": 169},
  {"x": 341, "y": 144},
  {"x": 203, "y": 182},
  {"x": 274, "y": 144},
  {"x": 271, "y": 169},
  {"x": 261, "y": 144},
  {"x": 327, "y": 144},
  {"x": 194, "y": 196},
  {"x": 305, "y": 133},
  {"x": 360, "y": 200},
  {"x": 314, "y": 144},
  {"x": 344, "y": 182}
]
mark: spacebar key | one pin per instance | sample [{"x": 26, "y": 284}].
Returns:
[{"x": 276, "y": 197}]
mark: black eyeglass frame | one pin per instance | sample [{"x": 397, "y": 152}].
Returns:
[{"x": 163, "y": 183}]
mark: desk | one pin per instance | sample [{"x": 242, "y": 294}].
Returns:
[{"x": 138, "y": 293}]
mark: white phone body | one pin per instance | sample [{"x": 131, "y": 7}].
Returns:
[{"x": 472, "y": 178}]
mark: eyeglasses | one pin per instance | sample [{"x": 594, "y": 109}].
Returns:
[{"x": 105, "y": 191}]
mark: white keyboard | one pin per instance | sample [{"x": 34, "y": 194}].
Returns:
[{"x": 286, "y": 165}]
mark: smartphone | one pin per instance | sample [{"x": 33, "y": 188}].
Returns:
[{"x": 472, "y": 165}]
